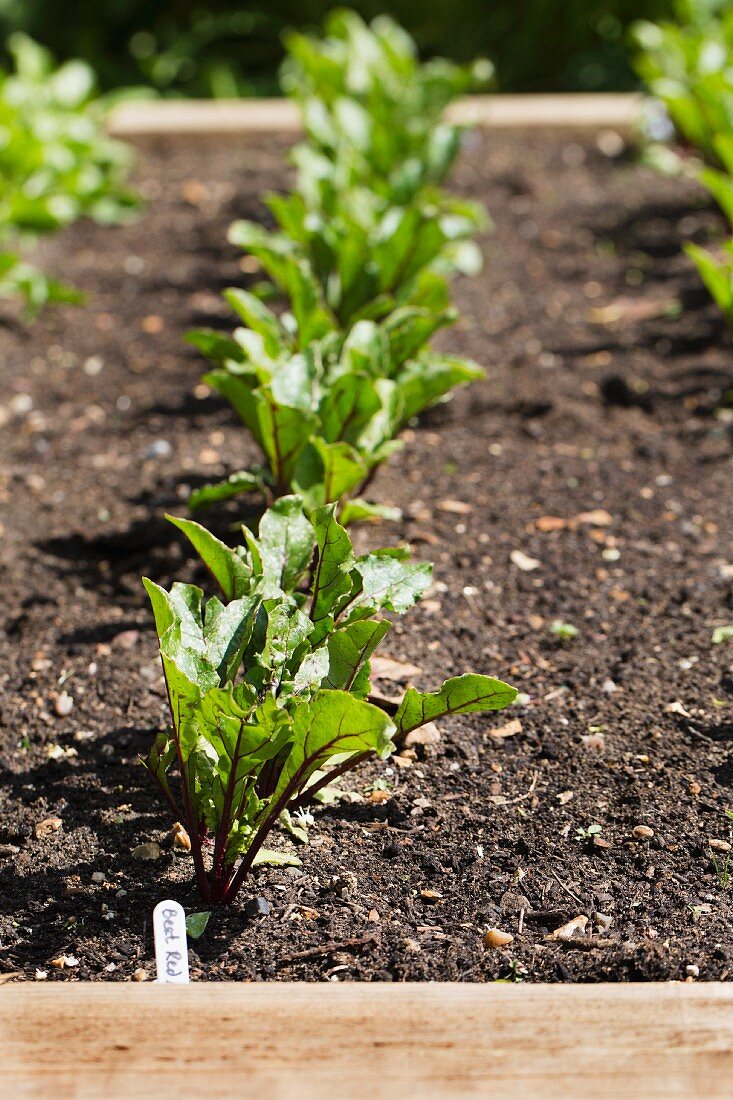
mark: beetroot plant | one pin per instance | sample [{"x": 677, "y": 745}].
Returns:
[
  {"x": 269, "y": 687},
  {"x": 326, "y": 416}
]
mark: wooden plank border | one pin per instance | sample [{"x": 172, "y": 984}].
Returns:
[
  {"x": 290, "y": 1041},
  {"x": 193, "y": 117}
]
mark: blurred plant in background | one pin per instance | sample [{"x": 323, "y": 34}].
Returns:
[
  {"x": 229, "y": 48},
  {"x": 56, "y": 164},
  {"x": 687, "y": 64},
  {"x": 688, "y": 67}
]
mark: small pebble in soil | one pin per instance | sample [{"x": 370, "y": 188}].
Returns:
[
  {"x": 181, "y": 839},
  {"x": 692, "y": 971},
  {"x": 64, "y": 962},
  {"x": 47, "y": 826},
  {"x": 719, "y": 845},
  {"x": 139, "y": 975},
  {"x": 257, "y": 907},
  {"x": 63, "y": 704},
  {"x": 574, "y": 927},
  {"x": 99, "y": 876},
  {"x": 643, "y": 832},
  {"x": 496, "y": 938},
  {"x": 524, "y": 561},
  {"x": 149, "y": 850},
  {"x": 160, "y": 448}
]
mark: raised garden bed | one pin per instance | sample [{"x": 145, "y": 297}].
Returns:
[
  {"x": 553, "y": 1043},
  {"x": 593, "y": 448}
]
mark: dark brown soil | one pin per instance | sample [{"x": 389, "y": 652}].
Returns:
[{"x": 585, "y": 409}]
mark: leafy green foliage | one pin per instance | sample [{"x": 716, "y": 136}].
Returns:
[
  {"x": 688, "y": 66},
  {"x": 361, "y": 255},
  {"x": 716, "y": 268},
  {"x": 269, "y": 690},
  {"x": 56, "y": 164},
  {"x": 371, "y": 110},
  {"x": 342, "y": 255},
  {"x": 325, "y": 417}
]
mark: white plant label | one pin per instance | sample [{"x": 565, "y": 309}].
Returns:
[{"x": 171, "y": 947}]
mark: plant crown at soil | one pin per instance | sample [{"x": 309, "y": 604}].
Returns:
[{"x": 269, "y": 688}]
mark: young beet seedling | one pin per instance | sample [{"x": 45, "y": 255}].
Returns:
[
  {"x": 373, "y": 115},
  {"x": 269, "y": 690},
  {"x": 325, "y": 417}
]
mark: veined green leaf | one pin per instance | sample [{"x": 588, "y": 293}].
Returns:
[
  {"x": 229, "y": 570},
  {"x": 459, "y": 695},
  {"x": 258, "y": 317},
  {"x": 244, "y": 481},
  {"x": 333, "y": 723},
  {"x": 424, "y": 381},
  {"x": 286, "y": 540},
  {"x": 331, "y": 574},
  {"x": 390, "y": 583},
  {"x": 349, "y": 650}
]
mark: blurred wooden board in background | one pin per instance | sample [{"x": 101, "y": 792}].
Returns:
[{"x": 236, "y": 116}]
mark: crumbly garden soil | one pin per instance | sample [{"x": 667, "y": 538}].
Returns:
[{"x": 602, "y": 397}]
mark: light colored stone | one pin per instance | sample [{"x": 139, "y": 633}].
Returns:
[
  {"x": 496, "y": 938},
  {"x": 149, "y": 851}
]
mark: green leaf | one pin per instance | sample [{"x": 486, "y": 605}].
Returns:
[
  {"x": 244, "y": 481},
  {"x": 422, "y": 382},
  {"x": 214, "y": 345},
  {"x": 196, "y": 924},
  {"x": 350, "y": 403},
  {"x": 349, "y": 650},
  {"x": 267, "y": 857},
  {"x": 287, "y": 629},
  {"x": 366, "y": 350},
  {"x": 180, "y": 633},
  {"x": 229, "y": 570},
  {"x": 410, "y": 327},
  {"x": 227, "y": 631},
  {"x": 331, "y": 575},
  {"x": 283, "y": 433},
  {"x": 357, "y": 510},
  {"x": 312, "y": 670},
  {"x": 341, "y": 469},
  {"x": 286, "y": 540},
  {"x": 333, "y": 723},
  {"x": 258, "y": 317},
  {"x": 390, "y": 583},
  {"x": 459, "y": 695},
  {"x": 722, "y": 634},
  {"x": 717, "y": 276}
]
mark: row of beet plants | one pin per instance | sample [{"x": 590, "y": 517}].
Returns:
[
  {"x": 688, "y": 66},
  {"x": 269, "y": 682}
]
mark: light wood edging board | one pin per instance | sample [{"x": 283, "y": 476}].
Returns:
[
  {"x": 240, "y": 116},
  {"x": 351, "y": 1041}
]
